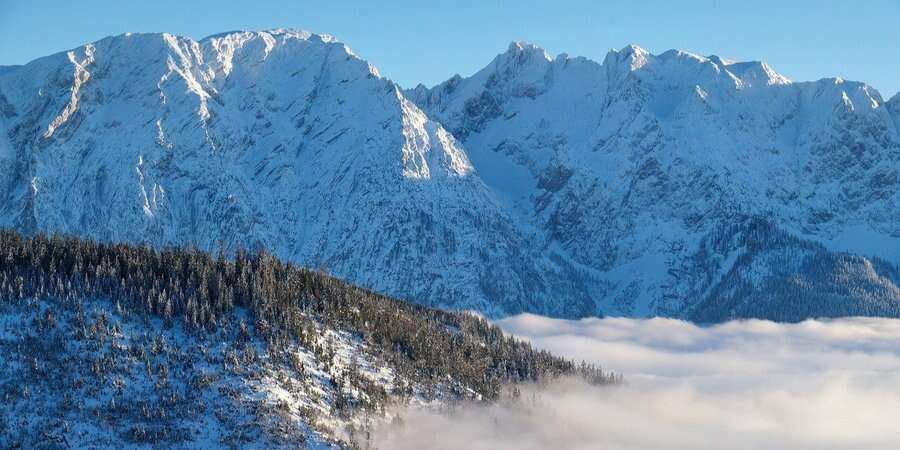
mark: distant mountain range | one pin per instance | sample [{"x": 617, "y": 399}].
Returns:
[{"x": 671, "y": 184}]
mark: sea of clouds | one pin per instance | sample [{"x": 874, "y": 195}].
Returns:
[{"x": 740, "y": 385}]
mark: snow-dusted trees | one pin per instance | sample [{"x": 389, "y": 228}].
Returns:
[
  {"x": 781, "y": 277},
  {"x": 424, "y": 344}
]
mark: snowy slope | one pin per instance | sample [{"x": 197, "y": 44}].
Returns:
[
  {"x": 283, "y": 140},
  {"x": 96, "y": 378},
  {"x": 625, "y": 165}
]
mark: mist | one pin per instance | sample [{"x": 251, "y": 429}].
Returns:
[{"x": 740, "y": 385}]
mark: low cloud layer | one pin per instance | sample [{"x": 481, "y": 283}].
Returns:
[{"x": 739, "y": 385}]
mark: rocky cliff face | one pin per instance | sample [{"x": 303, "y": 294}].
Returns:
[{"x": 559, "y": 186}]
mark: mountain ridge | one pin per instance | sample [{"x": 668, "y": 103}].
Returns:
[
  {"x": 620, "y": 135},
  {"x": 554, "y": 185}
]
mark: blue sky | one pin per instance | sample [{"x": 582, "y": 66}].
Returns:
[{"x": 417, "y": 41}]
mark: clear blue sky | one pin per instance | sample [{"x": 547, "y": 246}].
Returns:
[{"x": 428, "y": 41}]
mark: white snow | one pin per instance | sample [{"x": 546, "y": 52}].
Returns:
[{"x": 80, "y": 77}]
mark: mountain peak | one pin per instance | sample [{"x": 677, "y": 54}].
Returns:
[
  {"x": 754, "y": 73},
  {"x": 635, "y": 56},
  {"x": 719, "y": 61},
  {"x": 893, "y": 106},
  {"x": 293, "y": 33},
  {"x": 746, "y": 74},
  {"x": 519, "y": 48},
  {"x": 633, "y": 49},
  {"x": 895, "y": 100}
]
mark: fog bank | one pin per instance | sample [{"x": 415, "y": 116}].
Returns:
[{"x": 740, "y": 385}]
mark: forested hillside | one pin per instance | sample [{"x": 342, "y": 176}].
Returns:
[
  {"x": 776, "y": 276},
  {"x": 116, "y": 345}
]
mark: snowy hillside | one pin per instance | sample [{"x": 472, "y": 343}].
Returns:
[
  {"x": 118, "y": 346},
  {"x": 554, "y": 185}
]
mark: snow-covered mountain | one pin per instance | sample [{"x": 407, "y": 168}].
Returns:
[
  {"x": 626, "y": 166},
  {"x": 281, "y": 140},
  {"x": 559, "y": 186}
]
